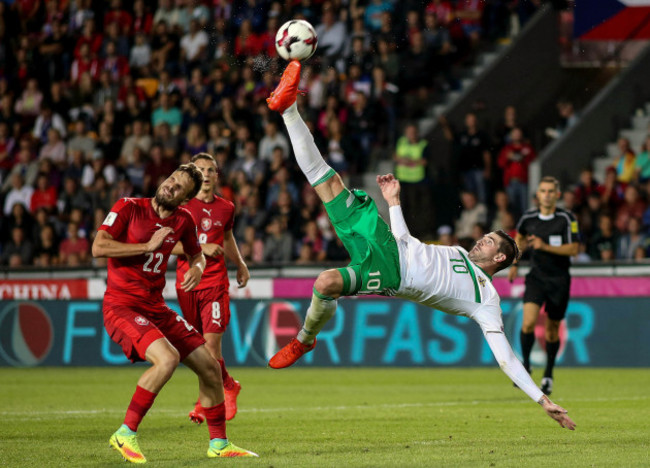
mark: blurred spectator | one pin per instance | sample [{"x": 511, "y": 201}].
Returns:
[
  {"x": 247, "y": 43},
  {"x": 95, "y": 167},
  {"x": 140, "y": 55},
  {"x": 472, "y": 213},
  {"x": 28, "y": 106},
  {"x": 642, "y": 163},
  {"x": 74, "y": 250},
  {"x": 19, "y": 251},
  {"x": 505, "y": 127},
  {"x": 514, "y": 159},
  {"x": 272, "y": 138},
  {"x": 142, "y": 19},
  {"x": 446, "y": 235},
  {"x": 586, "y": 186},
  {"x": 19, "y": 217},
  {"x": 45, "y": 195},
  {"x": 80, "y": 139},
  {"x": 54, "y": 149},
  {"x": 167, "y": 113},
  {"x": 278, "y": 247},
  {"x": 19, "y": 193},
  {"x": 47, "y": 120},
  {"x": 503, "y": 215},
  {"x": 625, "y": 164},
  {"x": 195, "y": 141},
  {"x": 568, "y": 118},
  {"x": 632, "y": 206},
  {"x": 165, "y": 49},
  {"x": 472, "y": 150},
  {"x": 612, "y": 190},
  {"x": 313, "y": 241},
  {"x": 604, "y": 241},
  {"x": 412, "y": 157},
  {"x": 632, "y": 241},
  {"x": 253, "y": 169},
  {"x": 332, "y": 35},
  {"x": 24, "y": 165},
  {"x": 46, "y": 253},
  {"x": 140, "y": 138},
  {"x": 281, "y": 182},
  {"x": 252, "y": 247},
  {"x": 193, "y": 46},
  {"x": 71, "y": 197}
]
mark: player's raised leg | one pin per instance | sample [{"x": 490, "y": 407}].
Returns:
[
  {"x": 328, "y": 185},
  {"x": 164, "y": 359},
  {"x": 211, "y": 396}
]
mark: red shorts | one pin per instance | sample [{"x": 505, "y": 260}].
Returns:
[
  {"x": 134, "y": 327},
  {"x": 207, "y": 309}
]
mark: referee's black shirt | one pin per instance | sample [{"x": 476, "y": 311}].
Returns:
[{"x": 555, "y": 229}]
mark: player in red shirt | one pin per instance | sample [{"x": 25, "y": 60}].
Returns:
[
  {"x": 207, "y": 307},
  {"x": 138, "y": 236}
]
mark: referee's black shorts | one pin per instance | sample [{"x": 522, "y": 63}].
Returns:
[{"x": 550, "y": 292}]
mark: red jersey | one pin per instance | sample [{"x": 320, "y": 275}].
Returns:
[
  {"x": 134, "y": 221},
  {"x": 212, "y": 220}
]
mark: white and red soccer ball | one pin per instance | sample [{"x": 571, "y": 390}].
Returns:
[{"x": 296, "y": 40}]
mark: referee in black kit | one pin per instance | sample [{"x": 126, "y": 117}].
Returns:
[{"x": 552, "y": 234}]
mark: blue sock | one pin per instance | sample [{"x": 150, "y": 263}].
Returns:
[
  {"x": 126, "y": 430},
  {"x": 218, "y": 443}
]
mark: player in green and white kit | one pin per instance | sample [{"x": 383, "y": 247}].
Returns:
[{"x": 392, "y": 262}]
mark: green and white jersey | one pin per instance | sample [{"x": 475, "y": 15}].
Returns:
[{"x": 444, "y": 278}]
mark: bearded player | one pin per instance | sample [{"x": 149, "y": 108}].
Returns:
[
  {"x": 207, "y": 306},
  {"x": 391, "y": 262},
  {"x": 138, "y": 236}
]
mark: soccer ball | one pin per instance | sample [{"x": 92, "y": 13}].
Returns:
[{"x": 296, "y": 40}]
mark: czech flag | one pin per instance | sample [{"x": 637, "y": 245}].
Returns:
[{"x": 612, "y": 20}]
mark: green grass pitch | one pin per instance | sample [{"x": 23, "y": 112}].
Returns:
[{"x": 333, "y": 417}]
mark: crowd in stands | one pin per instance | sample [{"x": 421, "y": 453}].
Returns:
[
  {"x": 103, "y": 99},
  {"x": 613, "y": 214}
]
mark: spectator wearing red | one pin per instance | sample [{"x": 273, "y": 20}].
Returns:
[
  {"x": 118, "y": 15},
  {"x": 142, "y": 19},
  {"x": 44, "y": 196},
  {"x": 89, "y": 37},
  {"x": 587, "y": 186},
  {"x": 514, "y": 159},
  {"x": 74, "y": 249},
  {"x": 632, "y": 206},
  {"x": 247, "y": 43},
  {"x": 116, "y": 65},
  {"x": 442, "y": 9},
  {"x": 84, "y": 63}
]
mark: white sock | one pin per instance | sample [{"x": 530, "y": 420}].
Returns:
[
  {"x": 308, "y": 157},
  {"x": 319, "y": 312}
]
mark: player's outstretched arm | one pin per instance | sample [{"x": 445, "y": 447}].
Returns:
[
  {"x": 511, "y": 366},
  {"x": 105, "y": 246},
  {"x": 558, "y": 413}
]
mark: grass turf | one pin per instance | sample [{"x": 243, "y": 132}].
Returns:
[{"x": 332, "y": 417}]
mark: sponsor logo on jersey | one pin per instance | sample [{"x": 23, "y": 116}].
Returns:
[
  {"x": 209, "y": 212},
  {"x": 218, "y": 223},
  {"x": 481, "y": 280},
  {"x": 140, "y": 320},
  {"x": 159, "y": 225},
  {"x": 206, "y": 223},
  {"x": 110, "y": 219}
]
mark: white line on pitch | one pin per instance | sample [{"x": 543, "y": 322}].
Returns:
[{"x": 73, "y": 413}]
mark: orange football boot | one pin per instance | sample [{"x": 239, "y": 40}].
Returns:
[
  {"x": 288, "y": 355},
  {"x": 285, "y": 93}
]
